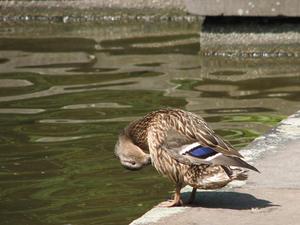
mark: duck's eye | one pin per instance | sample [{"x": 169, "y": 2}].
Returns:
[{"x": 130, "y": 162}]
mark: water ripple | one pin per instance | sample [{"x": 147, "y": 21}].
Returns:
[
  {"x": 60, "y": 139},
  {"x": 20, "y": 111},
  {"x": 110, "y": 105},
  {"x": 118, "y": 119},
  {"x": 4, "y": 83}
]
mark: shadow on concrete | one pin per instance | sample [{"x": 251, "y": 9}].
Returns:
[{"x": 228, "y": 200}]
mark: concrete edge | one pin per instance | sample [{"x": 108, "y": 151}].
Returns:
[
  {"x": 87, "y": 4},
  {"x": 287, "y": 130},
  {"x": 94, "y": 11}
]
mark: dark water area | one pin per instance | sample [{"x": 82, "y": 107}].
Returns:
[{"x": 67, "y": 90}]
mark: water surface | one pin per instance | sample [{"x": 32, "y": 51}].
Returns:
[{"x": 67, "y": 90}]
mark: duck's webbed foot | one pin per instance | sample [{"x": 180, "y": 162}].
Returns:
[
  {"x": 170, "y": 203},
  {"x": 175, "y": 202}
]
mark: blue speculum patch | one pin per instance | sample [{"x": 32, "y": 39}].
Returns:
[{"x": 202, "y": 152}]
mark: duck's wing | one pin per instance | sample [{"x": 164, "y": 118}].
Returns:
[
  {"x": 207, "y": 137},
  {"x": 195, "y": 154},
  {"x": 185, "y": 128},
  {"x": 193, "y": 142}
]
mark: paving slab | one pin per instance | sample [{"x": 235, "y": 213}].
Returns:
[{"x": 261, "y": 206}]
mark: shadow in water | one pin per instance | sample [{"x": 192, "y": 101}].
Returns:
[
  {"x": 228, "y": 200},
  {"x": 220, "y": 24}
]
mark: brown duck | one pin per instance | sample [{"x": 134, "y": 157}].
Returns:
[{"x": 183, "y": 148}]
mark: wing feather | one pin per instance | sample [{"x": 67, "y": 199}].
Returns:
[{"x": 196, "y": 129}]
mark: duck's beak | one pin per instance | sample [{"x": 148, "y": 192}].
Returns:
[{"x": 133, "y": 165}]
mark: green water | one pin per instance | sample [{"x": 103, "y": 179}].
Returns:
[{"x": 67, "y": 90}]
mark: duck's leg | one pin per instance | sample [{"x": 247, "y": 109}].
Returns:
[
  {"x": 192, "y": 196},
  {"x": 176, "y": 201},
  {"x": 177, "y": 197}
]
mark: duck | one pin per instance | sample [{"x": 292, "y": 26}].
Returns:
[{"x": 182, "y": 147}]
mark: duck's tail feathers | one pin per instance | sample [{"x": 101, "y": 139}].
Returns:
[
  {"x": 239, "y": 174},
  {"x": 221, "y": 159},
  {"x": 235, "y": 173}
]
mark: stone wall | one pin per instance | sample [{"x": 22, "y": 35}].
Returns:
[{"x": 244, "y": 7}]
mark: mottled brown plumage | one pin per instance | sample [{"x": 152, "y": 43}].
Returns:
[{"x": 166, "y": 134}]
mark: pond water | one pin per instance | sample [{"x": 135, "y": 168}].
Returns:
[{"x": 67, "y": 90}]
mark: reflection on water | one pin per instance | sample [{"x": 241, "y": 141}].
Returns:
[{"x": 67, "y": 90}]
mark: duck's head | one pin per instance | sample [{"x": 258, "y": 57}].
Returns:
[{"x": 131, "y": 156}]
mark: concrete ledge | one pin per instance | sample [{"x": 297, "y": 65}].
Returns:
[
  {"x": 100, "y": 4},
  {"x": 271, "y": 197},
  {"x": 244, "y": 8},
  {"x": 93, "y": 10}
]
